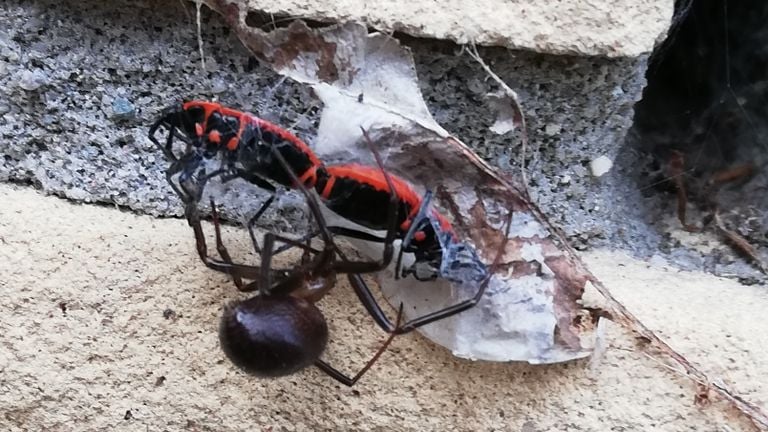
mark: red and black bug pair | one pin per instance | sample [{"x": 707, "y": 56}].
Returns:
[
  {"x": 355, "y": 192},
  {"x": 262, "y": 153}
]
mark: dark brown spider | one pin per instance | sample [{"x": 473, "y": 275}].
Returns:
[{"x": 280, "y": 330}]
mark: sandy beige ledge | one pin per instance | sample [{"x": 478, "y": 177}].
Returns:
[
  {"x": 621, "y": 28},
  {"x": 86, "y": 345}
]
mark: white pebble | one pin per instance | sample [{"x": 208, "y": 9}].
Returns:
[
  {"x": 600, "y": 166},
  {"x": 552, "y": 129}
]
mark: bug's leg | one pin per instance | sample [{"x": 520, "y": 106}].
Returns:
[
  {"x": 223, "y": 252},
  {"x": 346, "y": 380},
  {"x": 167, "y": 149},
  {"x": 416, "y": 224},
  {"x": 374, "y": 309}
]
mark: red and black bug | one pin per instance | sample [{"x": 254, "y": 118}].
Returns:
[
  {"x": 240, "y": 137},
  {"x": 280, "y": 330},
  {"x": 359, "y": 193},
  {"x": 354, "y": 192},
  {"x": 244, "y": 143}
]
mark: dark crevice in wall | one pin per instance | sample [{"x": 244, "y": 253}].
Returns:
[{"x": 706, "y": 101}]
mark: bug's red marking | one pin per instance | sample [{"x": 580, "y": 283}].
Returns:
[
  {"x": 215, "y": 137},
  {"x": 374, "y": 178},
  {"x": 245, "y": 121},
  {"x": 232, "y": 143},
  {"x": 326, "y": 192},
  {"x": 310, "y": 176}
]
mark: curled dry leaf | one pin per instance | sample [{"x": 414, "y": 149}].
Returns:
[{"x": 532, "y": 310}]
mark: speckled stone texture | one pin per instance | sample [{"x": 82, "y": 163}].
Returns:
[{"x": 80, "y": 85}]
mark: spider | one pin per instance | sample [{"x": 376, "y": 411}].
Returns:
[{"x": 280, "y": 330}]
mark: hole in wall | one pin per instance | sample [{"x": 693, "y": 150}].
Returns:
[{"x": 706, "y": 105}]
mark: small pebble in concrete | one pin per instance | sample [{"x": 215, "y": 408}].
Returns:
[
  {"x": 123, "y": 109},
  {"x": 552, "y": 129},
  {"x": 600, "y": 166},
  {"x": 33, "y": 80},
  {"x": 218, "y": 86}
]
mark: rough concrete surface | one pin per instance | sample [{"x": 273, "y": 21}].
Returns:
[
  {"x": 79, "y": 86},
  {"x": 109, "y": 322},
  {"x": 623, "y": 28}
]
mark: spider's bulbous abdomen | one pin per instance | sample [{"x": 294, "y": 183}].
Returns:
[{"x": 273, "y": 336}]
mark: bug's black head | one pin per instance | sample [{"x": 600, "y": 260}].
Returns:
[
  {"x": 179, "y": 115},
  {"x": 439, "y": 254},
  {"x": 272, "y": 336},
  {"x": 427, "y": 250},
  {"x": 177, "y": 120},
  {"x": 174, "y": 108},
  {"x": 190, "y": 116}
]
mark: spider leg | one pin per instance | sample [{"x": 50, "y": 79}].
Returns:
[
  {"x": 263, "y": 184},
  {"x": 262, "y": 275},
  {"x": 346, "y": 380},
  {"x": 324, "y": 259},
  {"x": 223, "y": 252},
  {"x": 280, "y": 287},
  {"x": 253, "y": 219},
  {"x": 232, "y": 269},
  {"x": 186, "y": 165}
]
